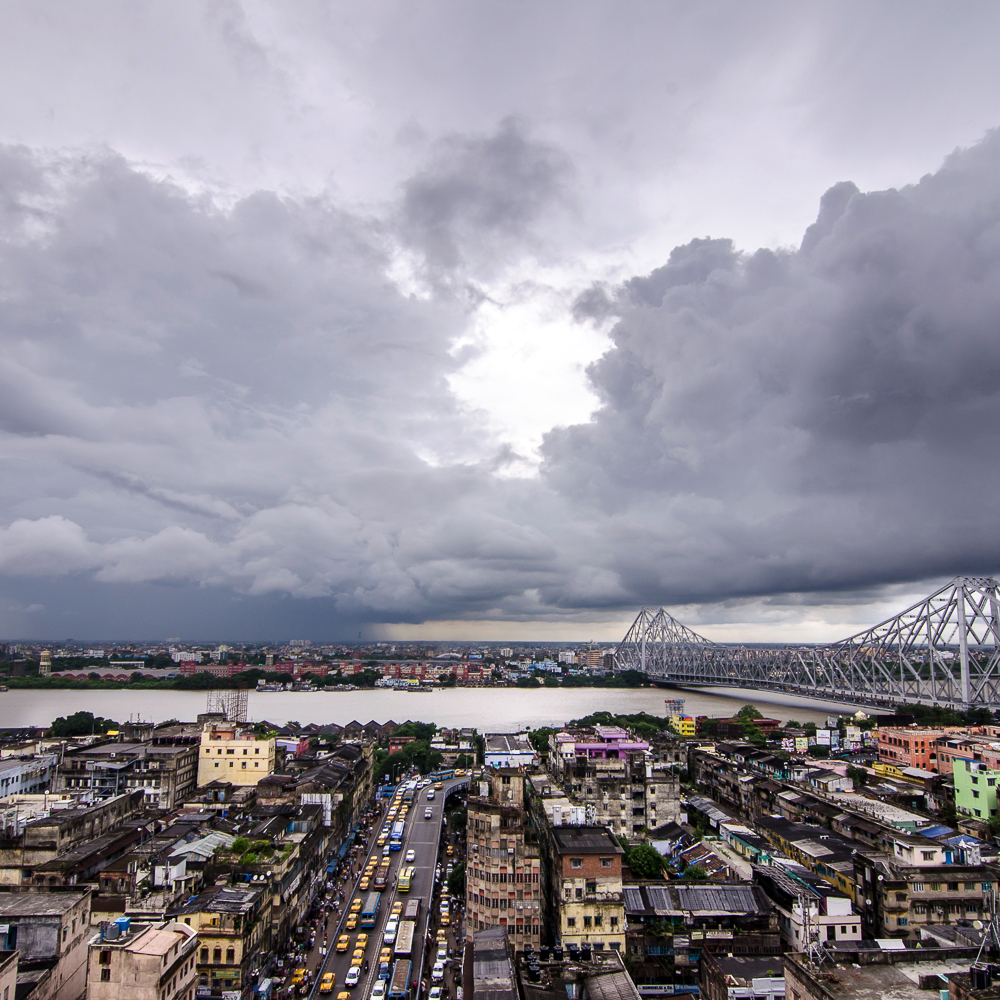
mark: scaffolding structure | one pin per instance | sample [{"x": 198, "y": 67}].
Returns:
[{"x": 230, "y": 702}]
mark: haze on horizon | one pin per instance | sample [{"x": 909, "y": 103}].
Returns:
[{"x": 494, "y": 321}]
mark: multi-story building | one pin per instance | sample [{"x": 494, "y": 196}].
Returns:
[
  {"x": 585, "y": 874},
  {"x": 671, "y": 925},
  {"x": 50, "y": 932},
  {"x": 918, "y": 886},
  {"x": 151, "y": 963},
  {"x": 231, "y": 751},
  {"x": 165, "y": 774},
  {"x": 26, "y": 775},
  {"x": 976, "y": 790},
  {"x": 615, "y": 777},
  {"x": 909, "y": 747},
  {"x": 810, "y": 911},
  {"x": 503, "y": 873},
  {"x": 232, "y": 925}
]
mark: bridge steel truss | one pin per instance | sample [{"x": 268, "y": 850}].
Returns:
[{"x": 944, "y": 650}]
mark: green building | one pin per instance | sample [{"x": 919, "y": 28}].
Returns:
[{"x": 975, "y": 790}]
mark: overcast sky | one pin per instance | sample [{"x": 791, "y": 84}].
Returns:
[{"x": 494, "y": 320}]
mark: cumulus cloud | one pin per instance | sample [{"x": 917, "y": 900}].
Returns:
[
  {"x": 808, "y": 419},
  {"x": 239, "y": 401}
]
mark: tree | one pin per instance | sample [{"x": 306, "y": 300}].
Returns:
[
  {"x": 645, "y": 861},
  {"x": 858, "y": 775},
  {"x": 748, "y": 713},
  {"x": 753, "y": 735},
  {"x": 421, "y": 730},
  {"x": 464, "y": 760},
  {"x": 793, "y": 724},
  {"x": 82, "y": 724},
  {"x": 456, "y": 880},
  {"x": 695, "y": 872},
  {"x": 818, "y": 751},
  {"x": 540, "y": 738}
]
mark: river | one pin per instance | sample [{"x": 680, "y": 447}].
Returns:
[{"x": 496, "y": 710}]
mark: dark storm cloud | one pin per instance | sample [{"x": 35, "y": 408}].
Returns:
[
  {"x": 480, "y": 197},
  {"x": 804, "y": 420},
  {"x": 240, "y": 401}
]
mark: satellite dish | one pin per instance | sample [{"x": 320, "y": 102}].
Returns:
[
  {"x": 881, "y": 878},
  {"x": 978, "y": 924}
]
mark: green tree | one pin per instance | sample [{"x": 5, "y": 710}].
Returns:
[
  {"x": 695, "y": 872},
  {"x": 753, "y": 735},
  {"x": 858, "y": 775},
  {"x": 645, "y": 861},
  {"x": 819, "y": 751},
  {"x": 456, "y": 880},
  {"x": 421, "y": 730},
  {"x": 82, "y": 724},
  {"x": 748, "y": 713},
  {"x": 540, "y": 738}
]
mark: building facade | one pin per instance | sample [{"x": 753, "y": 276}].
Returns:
[
  {"x": 503, "y": 873},
  {"x": 232, "y": 752},
  {"x": 975, "y": 790},
  {"x": 154, "y": 963}
]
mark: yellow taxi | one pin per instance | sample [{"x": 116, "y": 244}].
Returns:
[
  {"x": 299, "y": 976},
  {"x": 358, "y": 957},
  {"x": 351, "y": 922},
  {"x": 343, "y": 995},
  {"x": 362, "y": 941},
  {"x": 326, "y": 983},
  {"x": 397, "y": 908},
  {"x": 381, "y": 841},
  {"x": 343, "y": 942},
  {"x": 356, "y": 904},
  {"x": 439, "y": 785},
  {"x": 442, "y": 935},
  {"x": 385, "y": 955},
  {"x": 451, "y": 851},
  {"x": 364, "y": 883}
]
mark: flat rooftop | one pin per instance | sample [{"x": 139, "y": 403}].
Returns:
[
  {"x": 585, "y": 840},
  {"x": 38, "y": 904}
]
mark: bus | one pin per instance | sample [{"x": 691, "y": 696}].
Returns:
[
  {"x": 382, "y": 875},
  {"x": 396, "y": 837},
  {"x": 404, "y": 938},
  {"x": 412, "y": 908},
  {"x": 405, "y": 878},
  {"x": 369, "y": 909},
  {"x": 399, "y": 985},
  {"x": 441, "y": 775},
  {"x": 409, "y": 790}
]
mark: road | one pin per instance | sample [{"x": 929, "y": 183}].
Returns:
[{"x": 421, "y": 836}]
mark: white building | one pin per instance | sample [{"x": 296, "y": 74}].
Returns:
[{"x": 504, "y": 750}]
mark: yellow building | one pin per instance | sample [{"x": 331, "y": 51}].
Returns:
[
  {"x": 232, "y": 752},
  {"x": 683, "y": 725}
]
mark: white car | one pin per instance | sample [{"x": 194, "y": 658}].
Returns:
[
  {"x": 378, "y": 992},
  {"x": 353, "y": 975},
  {"x": 437, "y": 973},
  {"x": 428, "y": 813},
  {"x": 435, "y": 993},
  {"x": 442, "y": 956},
  {"x": 389, "y": 936},
  {"x": 430, "y": 795},
  {"x": 411, "y": 855}
]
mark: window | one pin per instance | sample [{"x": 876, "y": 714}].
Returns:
[
  {"x": 204, "y": 954},
  {"x": 230, "y": 956},
  {"x": 900, "y": 897},
  {"x": 105, "y": 976},
  {"x": 571, "y": 921},
  {"x": 587, "y": 921},
  {"x": 605, "y": 862},
  {"x": 953, "y": 887},
  {"x": 576, "y": 862},
  {"x": 614, "y": 921},
  {"x": 902, "y": 921},
  {"x": 918, "y": 886},
  {"x": 928, "y": 855},
  {"x": 105, "y": 958},
  {"x": 217, "y": 955},
  {"x": 598, "y": 920},
  {"x": 975, "y": 794}
]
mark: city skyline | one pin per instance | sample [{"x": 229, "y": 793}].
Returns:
[{"x": 497, "y": 323}]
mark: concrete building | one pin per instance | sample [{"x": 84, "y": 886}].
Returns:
[
  {"x": 232, "y": 926},
  {"x": 586, "y": 886},
  {"x": 504, "y": 750},
  {"x": 232, "y": 752},
  {"x": 809, "y": 910},
  {"x": 26, "y": 775},
  {"x": 8, "y": 975},
  {"x": 503, "y": 871},
  {"x": 151, "y": 963},
  {"x": 909, "y": 747},
  {"x": 975, "y": 790},
  {"x": 49, "y": 930},
  {"x": 917, "y": 886},
  {"x": 742, "y": 977},
  {"x": 165, "y": 774}
]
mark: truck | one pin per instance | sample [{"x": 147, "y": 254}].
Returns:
[
  {"x": 412, "y": 909},
  {"x": 369, "y": 909},
  {"x": 408, "y": 791},
  {"x": 404, "y": 939},
  {"x": 399, "y": 984},
  {"x": 381, "y": 879}
]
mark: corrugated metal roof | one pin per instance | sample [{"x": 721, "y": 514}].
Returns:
[{"x": 731, "y": 898}]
